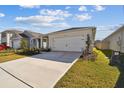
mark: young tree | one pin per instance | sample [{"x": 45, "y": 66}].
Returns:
[
  {"x": 88, "y": 43},
  {"x": 24, "y": 44},
  {"x": 86, "y": 52}
]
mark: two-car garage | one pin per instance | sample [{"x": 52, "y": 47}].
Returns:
[
  {"x": 68, "y": 44},
  {"x": 73, "y": 39}
]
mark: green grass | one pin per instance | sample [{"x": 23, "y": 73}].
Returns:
[
  {"x": 9, "y": 56},
  {"x": 84, "y": 74}
]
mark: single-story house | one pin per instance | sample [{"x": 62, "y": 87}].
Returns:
[
  {"x": 115, "y": 41},
  {"x": 73, "y": 39}
]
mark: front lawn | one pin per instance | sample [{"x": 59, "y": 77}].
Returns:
[
  {"x": 84, "y": 74},
  {"x": 5, "y": 57},
  {"x": 8, "y": 55}
]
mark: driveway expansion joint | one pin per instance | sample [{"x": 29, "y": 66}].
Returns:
[{"x": 16, "y": 77}]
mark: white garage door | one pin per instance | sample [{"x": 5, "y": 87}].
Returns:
[{"x": 69, "y": 44}]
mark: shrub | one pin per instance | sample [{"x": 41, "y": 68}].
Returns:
[
  {"x": 93, "y": 56},
  {"x": 29, "y": 51}
]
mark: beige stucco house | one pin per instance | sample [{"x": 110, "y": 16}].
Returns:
[
  {"x": 115, "y": 41},
  {"x": 73, "y": 39}
]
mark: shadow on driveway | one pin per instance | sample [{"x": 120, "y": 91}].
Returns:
[{"x": 66, "y": 57}]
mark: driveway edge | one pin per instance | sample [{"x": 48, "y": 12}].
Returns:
[{"x": 65, "y": 72}]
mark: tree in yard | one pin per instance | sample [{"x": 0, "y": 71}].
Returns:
[
  {"x": 87, "y": 50},
  {"x": 88, "y": 43},
  {"x": 24, "y": 44}
]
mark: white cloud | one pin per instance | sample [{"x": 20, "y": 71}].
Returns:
[
  {"x": 46, "y": 18},
  {"x": 99, "y": 8},
  {"x": 42, "y": 21},
  {"x": 51, "y": 12},
  {"x": 42, "y": 24},
  {"x": 67, "y": 7},
  {"x": 82, "y": 8},
  {"x": 38, "y": 19},
  {"x": 30, "y": 6},
  {"x": 83, "y": 17},
  {"x": 2, "y": 15},
  {"x": 58, "y": 25},
  {"x": 61, "y": 25}
]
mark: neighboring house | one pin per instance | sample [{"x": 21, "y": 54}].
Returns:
[
  {"x": 115, "y": 41},
  {"x": 98, "y": 44},
  {"x": 7, "y": 36},
  {"x": 12, "y": 38},
  {"x": 34, "y": 39},
  {"x": 73, "y": 39}
]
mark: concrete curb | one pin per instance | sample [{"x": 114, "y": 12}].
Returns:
[{"x": 65, "y": 72}]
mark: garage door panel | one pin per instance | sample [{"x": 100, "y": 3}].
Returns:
[
  {"x": 59, "y": 44},
  {"x": 68, "y": 44}
]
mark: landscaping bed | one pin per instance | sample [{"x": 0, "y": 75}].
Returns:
[{"x": 90, "y": 74}]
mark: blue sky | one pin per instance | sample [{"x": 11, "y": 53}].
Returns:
[{"x": 45, "y": 19}]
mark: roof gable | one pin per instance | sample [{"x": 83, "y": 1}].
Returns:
[
  {"x": 32, "y": 34},
  {"x": 118, "y": 30}
]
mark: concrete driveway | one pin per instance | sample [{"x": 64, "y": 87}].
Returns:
[{"x": 42, "y": 70}]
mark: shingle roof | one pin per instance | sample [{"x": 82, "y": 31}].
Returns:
[
  {"x": 73, "y": 29},
  {"x": 23, "y": 35},
  {"x": 34, "y": 34}
]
